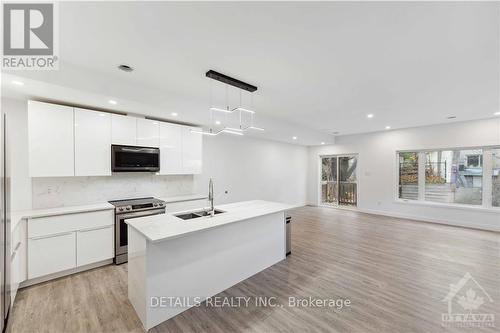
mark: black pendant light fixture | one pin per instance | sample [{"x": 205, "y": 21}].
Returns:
[{"x": 242, "y": 87}]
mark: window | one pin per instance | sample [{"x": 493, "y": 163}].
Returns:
[
  {"x": 495, "y": 181},
  {"x": 408, "y": 175},
  {"x": 450, "y": 178},
  {"x": 453, "y": 176}
]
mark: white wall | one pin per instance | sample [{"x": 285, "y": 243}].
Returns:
[
  {"x": 253, "y": 169},
  {"x": 377, "y": 169},
  {"x": 247, "y": 168}
]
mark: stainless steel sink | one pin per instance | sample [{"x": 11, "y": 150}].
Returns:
[{"x": 197, "y": 214}]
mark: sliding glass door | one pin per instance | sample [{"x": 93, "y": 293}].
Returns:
[{"x": 339, "y": 180}]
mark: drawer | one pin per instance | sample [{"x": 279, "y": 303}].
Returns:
[
  {"x": 51, "y": 254},
  {"x": 94, "y": 245},
  {"x": 44, "y": 226}
]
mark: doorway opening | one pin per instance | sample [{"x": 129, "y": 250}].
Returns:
[{"x": 339, "y": 182}]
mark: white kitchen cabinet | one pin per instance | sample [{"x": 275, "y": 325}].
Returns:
[
  {"x": 61, "y": 242},
  {"x": 148, "y": 133},
  {"x": 18, "y": 258},
  {"x": 92, "y": 143},
  {"x": 170, "y": 149},
  {"x": 123, "y": 130},
  {"x": 191, "y": 150},
  {"x": 94, "y": 245},
  {"x": 50, "y": 254},
  {"x": 66, "y": 141},
  {"x": 50, "y": 137}
]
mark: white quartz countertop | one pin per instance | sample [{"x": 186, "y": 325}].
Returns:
[
  {"x": 17, "y": 216},
  {"x": 167, "y": 226}
]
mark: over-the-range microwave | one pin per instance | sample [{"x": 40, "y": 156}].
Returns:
[{"x": 134, "y": 159}]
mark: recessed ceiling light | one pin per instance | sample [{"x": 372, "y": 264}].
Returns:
[
  {"x": 112, "y": 102},
  {"x": 335, "y": 133},
  {"x": 217, "y": 122},
  {"x": 294, "y": 137},
  {"x": 451, "y": 117},
  {"x": 370, "y": 115},
  {"x": 388, "y": 127},
  {"x": 497, "y": 113},
  {"x": 125, "y": 68},
  {"x": 174, "y": 114},
  {"x": 18, "y": 83},
  {"x": 322, "y": 143}
]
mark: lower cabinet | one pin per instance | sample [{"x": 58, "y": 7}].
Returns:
[
  {"x": 63, "y": 242},
  {"x": 94, "y": 245},
  {"x": 18, "y": 258},
  {"x": 50, "y": 254}
]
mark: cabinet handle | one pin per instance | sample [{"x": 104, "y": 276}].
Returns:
[
  {"x": 98, "y": 228},
  {"x": 53, "y": 235},
  {"x": 17, "y": 246}
]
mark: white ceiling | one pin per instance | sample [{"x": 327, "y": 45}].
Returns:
[{"x": 320, "y": 67}]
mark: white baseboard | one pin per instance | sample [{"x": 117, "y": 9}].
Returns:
[
  {"x": 476, "y": 225},
  {"x": 53, "y": 276}
]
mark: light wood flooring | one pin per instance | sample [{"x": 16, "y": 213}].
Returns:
[{"x": 395, "y": 272}]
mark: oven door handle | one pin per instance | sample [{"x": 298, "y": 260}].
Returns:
[{"x": 140, "y": 214}]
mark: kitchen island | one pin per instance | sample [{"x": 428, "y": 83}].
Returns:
[{"x": 174, "y": 264}]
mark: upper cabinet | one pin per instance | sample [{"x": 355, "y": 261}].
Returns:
[
  {"x": 124, "y": 130},
  {"x": 170, "y": 149},
  {"x": 66, "y": 141},
  {"x": 191, "y": 150},
  {"x": 148, "y": 133},
  {"x": 50, "y": 137},
  {"x": 180, "y": 150},
  {"x": 92, "y": 143}
]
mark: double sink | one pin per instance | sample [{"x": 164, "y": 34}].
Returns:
[{"x": 197, "y": 214}]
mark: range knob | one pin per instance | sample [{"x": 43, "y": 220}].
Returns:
[
  {"x": 160, "y": 204},
  {"x": 155, "y": 204},
  {"x": 128, "y": 208},
  {"x": 120, "y": 209}
]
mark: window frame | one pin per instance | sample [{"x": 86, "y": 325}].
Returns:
[{"x": 487, "y": 179}]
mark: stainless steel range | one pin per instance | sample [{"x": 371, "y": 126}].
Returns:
[{"x": 129, "y": 209}]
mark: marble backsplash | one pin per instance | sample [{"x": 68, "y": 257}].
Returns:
[{"x": 71, "y": 191}]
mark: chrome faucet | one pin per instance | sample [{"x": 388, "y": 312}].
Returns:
[{"x": 211, "y": 196}]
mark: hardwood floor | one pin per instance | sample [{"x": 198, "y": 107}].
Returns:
[{"x": 395, "y": 272}]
